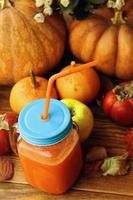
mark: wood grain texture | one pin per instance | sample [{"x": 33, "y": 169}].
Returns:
[
  {"x": 105, "y": 133},
  {"x": 26, "y": 192}
]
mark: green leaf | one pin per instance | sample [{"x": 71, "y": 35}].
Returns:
[
  {"x": 116, "y": 165},
  {"x": 80, "y": 9},
  {"x": 88, "y": 7}
]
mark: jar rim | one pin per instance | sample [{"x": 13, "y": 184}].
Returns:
[{"x": 44, "y": 133}]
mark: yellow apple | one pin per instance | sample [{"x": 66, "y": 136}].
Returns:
[{"x": 82, "y": 116}]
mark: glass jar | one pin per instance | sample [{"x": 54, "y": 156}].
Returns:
[{"x": 49, "y": 151}]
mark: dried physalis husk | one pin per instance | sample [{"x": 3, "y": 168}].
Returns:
[
  {"x": 93, "y": 168},
  {"x": 117, "y": 165},
  {"x": 96, "y": 153},
  {"x": 6, "y": 169}
]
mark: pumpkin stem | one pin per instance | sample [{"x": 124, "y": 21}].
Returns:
[
  {"x": 118, "y": 18},
  {"x": 5, "y": 4},
  {"x": 118, "y": 14},
  {"x": 33, "y": 78}
]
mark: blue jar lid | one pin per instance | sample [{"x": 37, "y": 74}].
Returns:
[{"x": 44, "y": 132}]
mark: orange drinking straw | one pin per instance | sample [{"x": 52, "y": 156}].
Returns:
[{"x": 59, "y": 75}]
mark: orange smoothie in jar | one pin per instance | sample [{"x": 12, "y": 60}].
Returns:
[{"x": 49, "y": 167}]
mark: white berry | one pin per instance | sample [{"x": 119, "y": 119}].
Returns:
[
  {"x": 39, "y": 17},
  {"x": 65, "y": 3},
  {"x": 48, "y": 11}
]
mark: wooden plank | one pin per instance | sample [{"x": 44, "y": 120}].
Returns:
[
  {"x": 4, "y": 98},
  {"x": 122, "y": 185},
  {"x": 26, "y": 192}
]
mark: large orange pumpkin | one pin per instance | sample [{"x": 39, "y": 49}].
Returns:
[
  {"x": 26, "y": 44},
  {"x": 96, "y": 37}
]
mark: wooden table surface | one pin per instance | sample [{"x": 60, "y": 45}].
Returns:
[{"x": 88, "y": 186}]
